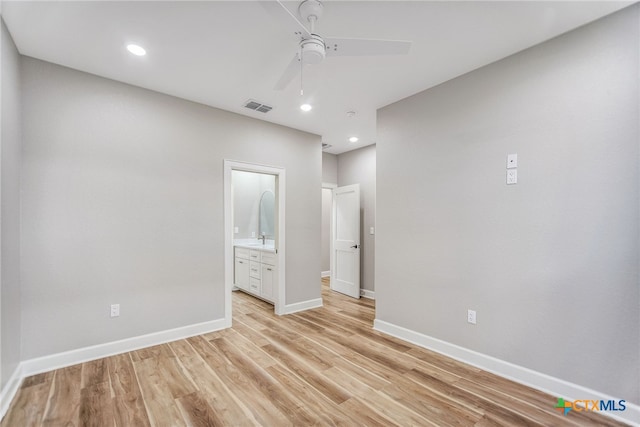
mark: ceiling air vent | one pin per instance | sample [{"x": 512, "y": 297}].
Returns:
[
  {"x": 325, "y": 146},
  {"x": 257, "y": 106}
]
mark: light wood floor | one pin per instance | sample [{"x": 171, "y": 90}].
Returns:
[{"x": 321, "y": 367}]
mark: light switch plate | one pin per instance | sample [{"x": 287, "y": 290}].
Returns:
[
  {"x": 512, "y": 176},
  {"x": 512, "y": 161},
  {"x": 371, "y": 230}
]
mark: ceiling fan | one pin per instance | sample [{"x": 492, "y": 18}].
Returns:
[{"x": 313, "y": 48}]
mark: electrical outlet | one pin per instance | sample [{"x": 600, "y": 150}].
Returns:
[
  {"x": 471, "y": 316},
  {"x": 512, "y": 176},
  {"x": 115, "y": 310}
]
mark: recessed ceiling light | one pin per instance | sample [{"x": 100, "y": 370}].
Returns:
[
  {"x": 136, "y": 50},
  {"x": 353, "y": 139},
  {"x": 306, "y": 107}
]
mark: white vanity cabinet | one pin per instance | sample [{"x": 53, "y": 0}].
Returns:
[
  {"x": 268, "y": 275},
  {"x": 242, "y": 268},
  {"x": 256, "y": 272}
]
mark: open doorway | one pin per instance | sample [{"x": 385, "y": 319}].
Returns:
[
  {"x": 255, "y": 239},
  {"x": 325, "y": 237}
]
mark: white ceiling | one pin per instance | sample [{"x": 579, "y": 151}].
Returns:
[{"x": 221, "y": 53}]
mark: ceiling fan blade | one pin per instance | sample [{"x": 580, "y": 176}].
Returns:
[
  {"x": 365, "y": 47},
  {"x": 284, "y": 16},
  {"x": 290, "y": 72}
]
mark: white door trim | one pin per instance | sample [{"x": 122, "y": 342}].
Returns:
[{"x": 229, "y": 166}]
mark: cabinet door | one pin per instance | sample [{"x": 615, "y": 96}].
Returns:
[
  {"x": 269, "y": 278},
  {"x": 242, "y": 273}
]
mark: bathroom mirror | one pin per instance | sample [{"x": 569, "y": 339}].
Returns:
[{"x": 266, "y": 215}]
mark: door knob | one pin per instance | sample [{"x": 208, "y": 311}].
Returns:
[{"x": 354, "y": 247}]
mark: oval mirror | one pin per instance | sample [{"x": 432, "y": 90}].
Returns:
[{"x": 266, "y": 215}]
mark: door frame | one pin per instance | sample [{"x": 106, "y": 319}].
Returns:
[{"x": 280, "y": 174}]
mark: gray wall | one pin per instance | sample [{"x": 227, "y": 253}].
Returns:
[
  {"x": 550, "y": 264},
  {"x": 10, "y": 147},
  {"x": 359, "y": 167},
  {"x": 329, "y": 168},
  {"x": 123, "y": 203}
]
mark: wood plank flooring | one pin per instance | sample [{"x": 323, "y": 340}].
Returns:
[{"x": 320, "y": 367}]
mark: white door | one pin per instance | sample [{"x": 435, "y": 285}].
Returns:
[{"x": 345, "y": 241}]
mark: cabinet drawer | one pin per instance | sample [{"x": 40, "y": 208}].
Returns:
[
  {"x": 254, "y": 255},
  {"x": 254, "y": 285},
  {"x": 254, "y": 269},
  {"x": 268, "y": 258},
  {"x": 242, "y": 253}
]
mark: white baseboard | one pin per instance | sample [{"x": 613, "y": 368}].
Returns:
[
  {"x": 301, "y": 306},
  {"x": 325, "y": 273},
  {"x": 85, "y": 354},
  {"x": 366, "y": 293},
  {"x": 555, "y": 386},
  {"x": 10, "y": 389},
  {"x": 60, "y": 360}
]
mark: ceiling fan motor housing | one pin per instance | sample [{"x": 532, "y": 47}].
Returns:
[{"x": 313, "y": 49}]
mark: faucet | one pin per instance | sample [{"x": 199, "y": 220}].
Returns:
[{"x": 263, "y": 237}]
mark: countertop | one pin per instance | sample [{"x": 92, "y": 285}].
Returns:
[{"x": 257, "y": 245}]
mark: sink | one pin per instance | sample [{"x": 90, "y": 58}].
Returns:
[{"x": 257, "y": 245}]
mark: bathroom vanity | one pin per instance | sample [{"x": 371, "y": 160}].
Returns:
[{"x": 255, "y": 269}]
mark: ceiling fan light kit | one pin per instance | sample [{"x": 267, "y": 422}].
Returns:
[{"x": 313, "y": 50}]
